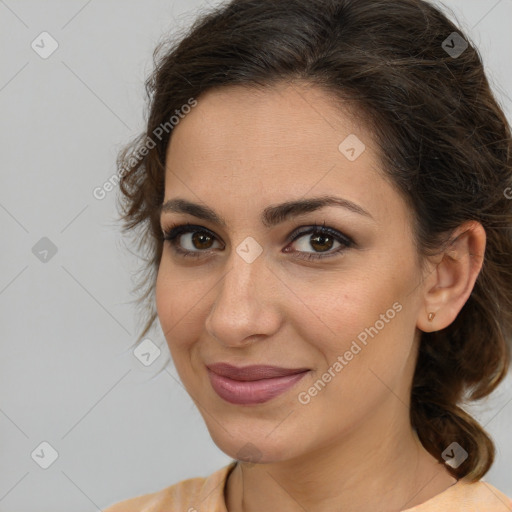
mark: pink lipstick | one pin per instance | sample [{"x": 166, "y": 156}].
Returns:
[{"x": 254, "y": 384}]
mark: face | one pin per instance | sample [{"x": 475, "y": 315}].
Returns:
[{"x": 257, "y": 286}]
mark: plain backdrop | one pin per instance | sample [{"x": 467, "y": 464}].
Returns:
[{"x": 111, "y": 427}]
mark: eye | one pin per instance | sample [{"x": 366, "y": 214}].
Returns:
[
  {"x": 199, "y": 240},
  {"x": 195, "y": 237},
  {"x": 321, "y": 239}
]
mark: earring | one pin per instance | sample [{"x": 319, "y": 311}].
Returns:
[{"x": 431, "y": 316}]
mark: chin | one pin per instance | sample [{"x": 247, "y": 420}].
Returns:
[{"x": 253, "y": 448}]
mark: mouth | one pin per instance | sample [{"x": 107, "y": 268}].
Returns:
[
  {"x": 252, "y": 372},
  {"x": 250, "y": 385}
]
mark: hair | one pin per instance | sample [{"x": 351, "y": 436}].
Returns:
[{"x": 444, "y": 142}]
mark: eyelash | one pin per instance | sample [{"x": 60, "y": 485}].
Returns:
[{"x": 173, "y": 232}]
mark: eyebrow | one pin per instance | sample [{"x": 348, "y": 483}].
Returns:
[{"x": 271, "y": 216}]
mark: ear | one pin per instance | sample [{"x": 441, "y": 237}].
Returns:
[{"x": 450, "y": 283}]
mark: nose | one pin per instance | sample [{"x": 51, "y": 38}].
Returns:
[{"x": 246, "y": 303}]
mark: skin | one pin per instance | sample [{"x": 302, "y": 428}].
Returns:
[{"x": 352, "y": 446}]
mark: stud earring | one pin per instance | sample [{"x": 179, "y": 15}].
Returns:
[{"x": 431, "y": 316}]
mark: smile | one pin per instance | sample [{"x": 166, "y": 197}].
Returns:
[{"x": 250, "y": 392}]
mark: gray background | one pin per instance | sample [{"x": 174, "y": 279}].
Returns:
[{"x": 68, "y": 373}]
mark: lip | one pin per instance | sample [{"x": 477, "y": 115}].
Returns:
[
  {"x": 254, "y": 384},
  {"x": 252, "y": 372}
]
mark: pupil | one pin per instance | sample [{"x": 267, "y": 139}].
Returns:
[
  {"x": 320, "y": 237},
  {"x": 200, "y": 238}
]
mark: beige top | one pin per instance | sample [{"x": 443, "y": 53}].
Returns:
[{"x": 207, "y": 495}]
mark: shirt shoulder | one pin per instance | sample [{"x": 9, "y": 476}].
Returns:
[
  {"x": 467, "y": 496},
  {"x": 191, "y": 495}
]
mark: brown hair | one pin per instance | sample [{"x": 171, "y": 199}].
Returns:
[{"x": 444, "y": 142}]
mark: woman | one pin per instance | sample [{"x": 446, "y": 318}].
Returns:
[{"x": 323, "y": 188}]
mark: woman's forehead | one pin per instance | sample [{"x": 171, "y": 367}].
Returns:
[{"x": 298, "y": 116}]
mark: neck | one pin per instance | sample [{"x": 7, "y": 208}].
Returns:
[{"x": 380, "y": 466}]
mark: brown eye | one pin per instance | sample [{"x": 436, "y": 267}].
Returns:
[
  {"x": 193, "y": 241},
  {"x": 201, "y": 240},
  {"x": 189, "y": 240},
  {"x": 321, "y": 240}
]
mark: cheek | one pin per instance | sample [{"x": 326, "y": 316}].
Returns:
[
  {"x": 178, "y": 304},
  {"x": 360, "y": 314},
  {"x": 164, "y": 300},
  {"x": 360, "y": 354}
]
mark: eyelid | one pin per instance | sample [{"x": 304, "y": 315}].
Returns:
[
  {"x": 179, "y": 228},
  {"x": 322, "y": 229},
  {"x": 173, "y": 232}
]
